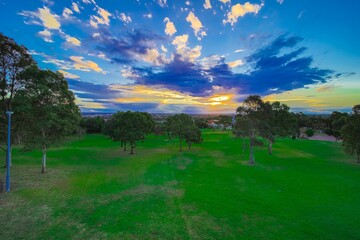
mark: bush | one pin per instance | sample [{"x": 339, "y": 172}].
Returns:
[{"x": 309, "y": 132}]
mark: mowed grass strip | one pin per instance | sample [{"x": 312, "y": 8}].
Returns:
[{"x": 95, "y": 190}]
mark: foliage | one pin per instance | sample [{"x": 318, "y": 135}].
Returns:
[
  {"x": 192, "y": 135},
  {"x": 92, "y": 124},
  {"x": 48, "y": 108},
  {"x": 309, "y": 132},
  {"x": 14, "y": 60},
  {"x": 201, "y": 123},
  {"x": 129, "y": 127},
  {"x": 181, "y": 125},
  {"x": 350, "y": 133}
]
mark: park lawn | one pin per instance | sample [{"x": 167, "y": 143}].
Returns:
[{"x": 93, "y": 190}]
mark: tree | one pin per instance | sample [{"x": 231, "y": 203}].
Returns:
[
  {"x": 309, "y": 132},
  {"x": 249, "y": 120},
  {"x": 350, "y": 133},
  {"x": 178, "y": 124},
  {"x": 192, "y": 135},
  {"x": 225, "y": 121},
  {"x": 129, "y": 127},
  {"x": 92, "y": 124},
  {"x": 48, "y": 108},
  {"x": 277, "y": 121},
  {"x": 14, "y": 60}
]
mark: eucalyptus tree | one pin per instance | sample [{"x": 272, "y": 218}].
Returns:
[
  {"x": 178, "y": 125},
  {"x": 192, "y": 135},
  {"x": 350, "y": 133},
  {"x": 48, "y": 108},
  {"x": 129, "y": 127},
  {"x": 249, "y": 121}
]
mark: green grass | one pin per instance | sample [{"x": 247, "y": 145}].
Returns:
[{"x": 93, "y": 190}]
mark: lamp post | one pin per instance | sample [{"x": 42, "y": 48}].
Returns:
[{"x": 8, "y": 152}]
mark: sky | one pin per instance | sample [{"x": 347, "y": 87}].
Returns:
[{"x": 206, "y": 56}]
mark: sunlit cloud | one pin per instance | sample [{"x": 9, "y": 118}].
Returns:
[
  {"x": 75, "y": 7},
  {"x": 207, "y": 4},
  {"x": 196, "y": 25},
  {"x": 102, "y": 18},
  {"x": 239, "y": 10},
  {"x": 85, "y": 65},
  {"x": 46, "y": 35},
  {"x": 73, "y": 41},
  {"x": 170, "y": 27},
  {"x": 236, "y": 63},
  {"x": 124, "y": 18},
  {"x": 47, "y": 19}
]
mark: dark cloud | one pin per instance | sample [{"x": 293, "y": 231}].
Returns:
[
  {"x": 92, "y": 91},
  {"x": 125, "y": 49},
  {"x": 276, "y": 68}
]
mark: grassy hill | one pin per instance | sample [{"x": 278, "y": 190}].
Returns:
[{"x": 93, "y": 190}]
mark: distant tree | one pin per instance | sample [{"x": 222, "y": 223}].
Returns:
[
  {"x": 129, "y": 127},
  {"x": 92, "y": 124},
  {"x": 159, "y": 129},
  {"x": 47, "y": 106},
  {"x": 337, "y": 121},
  {"x": 350, "y": 133},
  {"x": 178, "y": 124},
  {"x": 276, "y": 121},
  {"x": 192, "y": 135},
  {"x": 309, "y": 132},
  {"x": 201, "y": 123},
  {"x": 249, "y": 120},
  {"x": 225, "y": 121}
]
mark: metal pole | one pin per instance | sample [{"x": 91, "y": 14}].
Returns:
[{"x": 8, "y": 150}]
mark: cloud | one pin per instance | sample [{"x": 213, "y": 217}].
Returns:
[
  {"x": 162, "y": 3},
  {"x": 75, "y": 7},
  {"x": 239, "y": 10},
  {"x": 224, "y": 1},
  {"x": 132, "y": 47},
  {"x": 207, "y": 4},
  {"x": 67, "y": 13},
  {"x": 124, "y": 18},
  {"x": 102, "y": 18},
  {"x": 239, "y": 50},
  {"x": 85, "y": 65},
  {"x": 73, "y": 41},
  {"x": 326, "y": 88},
  {"x": 276, "y": 68},
  {"x": 183, "y": 51},
  {"x": 89, "y": 90},
  {"x": 170, "y": 27},
  {"x": 46, "y": 35},
  {"x": 148, "y": 15},
  {"x": 68, "y": 75},
  {"x": 236, "y": 63},
  {"x": 196, "y": 25},
  {"x": 280, "y": 1},
  {"x": 47, "y": 19}
]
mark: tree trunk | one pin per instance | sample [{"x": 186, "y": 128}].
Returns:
[
  {"x": 43, "y": 162},
  {"x": 251, "y": 160},
  {"x": 189, "y": 146},
  {"x": 131, "y": 149},
  {"x": 270, "y": 147},
  {"x": 124, "y": 144},
  {"x": 180, "y": 140}
]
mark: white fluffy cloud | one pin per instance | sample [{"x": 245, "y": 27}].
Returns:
[
  {"x": 207, "y": 4},
  {"x": 73, "y": 41},
  {"x": 187, "y": 54},
  {"x": 170, "y": 27},
  {"x": 75, "y": 7},
  {"x": 196, "y": 25},
  {"x": 102, "y": 18},
  {"x": 162, "y": 3},
  {"x": 46, "y": 35},
  {"x": 124, "y": 18},
  {"x": 239, "y": 10}
]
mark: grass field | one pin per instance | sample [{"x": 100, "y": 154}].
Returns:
[{"x": 93, "y": 190}]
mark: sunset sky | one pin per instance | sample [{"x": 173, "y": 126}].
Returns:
[{"x": 205, "y": 56}]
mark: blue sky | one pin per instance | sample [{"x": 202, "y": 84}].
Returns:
[{"x": 194, "y": 56}]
